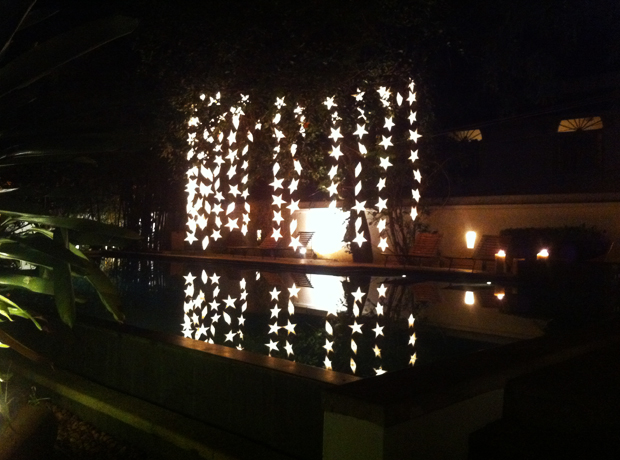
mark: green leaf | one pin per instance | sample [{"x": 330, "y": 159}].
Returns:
[
  {"x": 13, "y": 250},
  {"x": 63, "y": 285},
  {"x": 24, "y": 314},
  {"x": 12, "y": 15},
  {"x": 53, "y": 249},
  {"x": 59, "y": 50},
  {"x": 75, "y": 224},
  {"x": 107, "y": 292},
  {"x": 22, "y": 349},
  {"x": 30, "y": 283},
  {"x": 44, "y": 156}
]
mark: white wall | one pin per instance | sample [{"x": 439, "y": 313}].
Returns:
[{"x": 455, "y": 220}]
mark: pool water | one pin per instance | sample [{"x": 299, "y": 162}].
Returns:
[{"x": 358, "y": 324}]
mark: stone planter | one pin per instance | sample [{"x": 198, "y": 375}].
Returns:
[{"x": 30, "y": 434}]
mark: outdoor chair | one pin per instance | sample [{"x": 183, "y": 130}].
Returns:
[
  {"x": 304, "y": 239},
  {"x": 484, "y": 252},
  {"x": 426, "y": 246}
]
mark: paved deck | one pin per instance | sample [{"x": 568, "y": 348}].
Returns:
[{"x": 319, "y": 266}]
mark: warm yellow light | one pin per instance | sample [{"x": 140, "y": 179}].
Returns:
[
  {"x": 501, "y": 253},
  {"x": 543, "y": 254},
  {"x": 470, "y": 238},
  {"x": 469, "y": 298}
]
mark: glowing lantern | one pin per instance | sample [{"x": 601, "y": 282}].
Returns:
[
  {"x": 542, "y": 255},
  {"x": 470, "y": 239},
  {"x": 469, "y": 298}
]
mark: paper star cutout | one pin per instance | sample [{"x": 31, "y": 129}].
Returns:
[
  {"x": 295, "y": 243},
  {"x": 414, "y": 156},
  {"x": 412, "y": 340},
  {"x": 219, "y": 196},
  {"x": 358, "y": 295},
  {"x": 232, "y": 156},
  {"x": 411, "y": 320},
  {"x": 379, "y": 309},
  {"x": 360, "y": 131},
  {"x": 417, "y": 175},
  {"x": 381, "y": 184},
  {"x": 389, "y": 124},
  {"x": 232, "y": 224},
  {"x": 230, "y": 302},
  {"x": 412, "y": 117},
  {"x": 336, "y": 153},
  {"x": 361, "y": 111},
  {"x": 359, "y": 239},
  {"x": 328, "y": 345},
  {"x": 215, "y": 318},
  {"x": 377, "y": 351},
  {"x": 187, "y": 333},
  {"x": 328, "y": 364},
  {"x": 293, "y": 290},
  {"x": 216, "y": 235},
  {"x": 274, "y": 294},
  {"x": 293, "y": 185},
  {"x": 195, "y": 318},
  {"x": 378, "y": 330},
  {"x": 290, "y": 328},
  {"x": 416, "y": 195},
  {"x": 217, "y": 208},
  {"x": 245, "y": 194},
  {"x": 359, "y": 96},
  {"x": 333, "y": 189},
  {"x": 411, "y": 97},
  {"x": 294, "y": 206},
  {"x": 272, "y": 345},
  {"x": 273, "y": 328},
  {"x": 382, "y": 204},
  {"x": 379, "y": 371},
  {"x": 241, "y": 320},
  {"x": 277, "y": 200},
  {"x": 277, "y": 183},
  {"x": 243, "y": 295},
  {"x": 276, "y": 235},
  {"x": 191, "y": 238},
  {"x": 329, "y": 102},
  {"x": 414, "y": 358},
  {"x": 277, "y": 216},
  {"x": 356, "y": 328},
  {"x": 275, "y": 311},
  {"x": 230, "y": 337},
  {"x": 189, "y": 278},
  {"x": 386, "y": 142},
  {"x": 215, "y": 279},
  {"x": 383, "y": 244},
  {"x": 297, "y": 166},
  {"x": 385, "y": 162},
  {"x": 278, "y": 134},
  {"x": 201, "y": 331},
  {"x": 214, "y": 305},
  {"x": 333, "y": 171},
  {"x": 289, "y": 349},
  {"x": 414, "y": 136},
  {"x": 335, "y": 135},
  {"x": 219, "y": 161},
  {"x": 360, "y": 206}
]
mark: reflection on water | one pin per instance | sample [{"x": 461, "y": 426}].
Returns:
[{"x": 362, "y": 325}]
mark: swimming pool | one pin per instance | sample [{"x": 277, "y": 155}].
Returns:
[{"x": 358, "y": 324}]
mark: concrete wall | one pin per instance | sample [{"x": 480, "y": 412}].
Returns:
[
  {"x": 274, "y": 402},
  {"x": 455, "y": 220}
]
